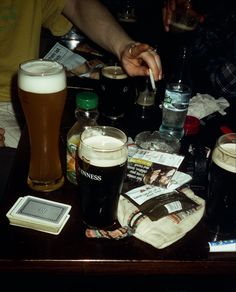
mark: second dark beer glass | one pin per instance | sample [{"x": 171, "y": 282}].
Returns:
[
  {"x": 116, "y": 95},
  {"x": 102, "y": 162},
  {"x": 221, "y": 199}
]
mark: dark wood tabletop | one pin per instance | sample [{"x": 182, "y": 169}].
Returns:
[{"x": 71, "y": 254}]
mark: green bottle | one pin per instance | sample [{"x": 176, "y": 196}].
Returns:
[{"x": 86, "y": 114}]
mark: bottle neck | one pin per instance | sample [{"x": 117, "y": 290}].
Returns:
[
  {"x": 181, "y": 73},
  {"x": 91, "y": 114}
]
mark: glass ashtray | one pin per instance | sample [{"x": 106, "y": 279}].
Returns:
[{"x": 163, "y": 142}]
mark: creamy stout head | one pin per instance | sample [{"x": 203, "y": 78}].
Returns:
[
  {"x": 114, "y": 72},
  {"x": 41, "y": 76},
  {"x": 225, "y": 156},
  {"x": 103, "y": 150}
]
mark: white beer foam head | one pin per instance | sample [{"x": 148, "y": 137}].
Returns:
[
  {"x": 109, "y": 151},
  {"x": 114, "y": 72},
  {"x": 227, "y": 162},
  {"x": 42, "y": 76}
]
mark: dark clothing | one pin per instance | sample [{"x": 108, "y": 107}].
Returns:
[{"x": 214, "y": 49}]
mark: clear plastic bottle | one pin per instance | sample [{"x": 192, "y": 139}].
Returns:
[
  {"x": 86, "y": 114},
  {"x": 177, "y": 95}
]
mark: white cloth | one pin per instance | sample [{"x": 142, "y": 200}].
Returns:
[
  {"x": 9, "y": 122},
  {"x": 202, "y": 105}
]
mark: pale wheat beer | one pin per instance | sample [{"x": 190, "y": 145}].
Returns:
[
  {"x": 101, "y": 170},
  {"x": 42, "y": 93},
  {"x": 221, "y": 199}
]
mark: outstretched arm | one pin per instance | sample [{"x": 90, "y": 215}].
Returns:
[{"x": 93, "y": 19}]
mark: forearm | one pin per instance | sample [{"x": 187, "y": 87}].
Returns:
[{"x": 93, "y": 19}]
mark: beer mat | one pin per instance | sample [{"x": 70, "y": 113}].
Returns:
[{"x": 39, "y": 214}]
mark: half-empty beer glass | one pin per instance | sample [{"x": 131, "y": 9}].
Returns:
[
  {"x": 102, "y": 162},
  {"x": 42, "y": 93}
]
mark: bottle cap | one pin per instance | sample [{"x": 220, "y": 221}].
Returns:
[
  {"x": 191, "y": 125},
  {"x": 86, "y": 100}
]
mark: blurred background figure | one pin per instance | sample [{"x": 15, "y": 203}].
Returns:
[{"x": 212, "y": 45}]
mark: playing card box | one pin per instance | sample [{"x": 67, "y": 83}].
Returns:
[{"x": 39, "y": 214}]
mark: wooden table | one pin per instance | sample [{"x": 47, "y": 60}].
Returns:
[{"x": 71, "y": 258}]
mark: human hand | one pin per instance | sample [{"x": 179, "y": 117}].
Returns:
[
  {"x": 2, "y": 138},
  {"x": 137, "y": 58}
]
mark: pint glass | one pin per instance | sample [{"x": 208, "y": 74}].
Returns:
[
  {"x": 116, "y": 95},
  {"x": 221, "y": 200},
  {"x": 184, "y": 18},
  {"x": 42, "y": 93},
  {"x": 102, "y": 161}
]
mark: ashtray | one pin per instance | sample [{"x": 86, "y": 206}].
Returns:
[{"x": 163, "y": 142}]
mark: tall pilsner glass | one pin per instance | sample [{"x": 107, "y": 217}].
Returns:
[{"x": 42, "y": 93}]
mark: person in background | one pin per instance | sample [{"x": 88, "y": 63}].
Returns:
[
  {"x": 20, "y": 28},
  {"x": 213, "y": 47}
]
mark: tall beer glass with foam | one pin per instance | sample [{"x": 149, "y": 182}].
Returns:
[
  {"x": 102, "y": 161},
  {"x": 221, "y": 199},
  {"x": 42, "y": 93}
]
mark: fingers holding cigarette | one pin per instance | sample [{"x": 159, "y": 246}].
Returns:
[{"x": 146, "y": 57}]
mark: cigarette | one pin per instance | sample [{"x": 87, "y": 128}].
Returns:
[{"x": 152, "y": 80}]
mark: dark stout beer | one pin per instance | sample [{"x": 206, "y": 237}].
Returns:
[
  {"x": 100, "y": 171},
  {"x": 116, "y": 95},
  {"x": 221, "y": 200}
]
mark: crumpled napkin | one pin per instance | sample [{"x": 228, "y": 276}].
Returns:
[{"x": 202, "y": 105}]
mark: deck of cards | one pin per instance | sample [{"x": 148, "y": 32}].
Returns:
[{"x": 39, "y": 214}]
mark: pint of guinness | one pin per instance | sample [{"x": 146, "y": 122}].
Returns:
[
  {"x": 42, "y": 93},
  {"x": 116, "y": 96},
  {"x": 221, "y": 199},
  {"x": 102, "y": 160}
]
